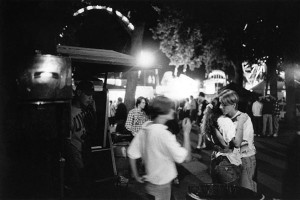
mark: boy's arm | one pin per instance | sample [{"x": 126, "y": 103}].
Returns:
[
  {"x": 135, "y": 171},
  {"x": 237, "y": 140},
  {"x": 186, "y": 126}
]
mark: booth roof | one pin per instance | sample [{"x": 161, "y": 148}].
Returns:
[{"x": 99, "y": 60}]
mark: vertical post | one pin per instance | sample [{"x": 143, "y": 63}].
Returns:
[{"x": 136, "y": 45}]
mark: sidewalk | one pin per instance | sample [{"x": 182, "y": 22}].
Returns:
[
  {"x": 271, "y": 161},
  {"x": 271, "y": 156}
]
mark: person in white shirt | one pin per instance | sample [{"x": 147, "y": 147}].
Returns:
[
  {"x": 225, "y": 160},
  {"x": 159, "y": 149},
  {"x": 229, "y": 101},
  {"x": 257, "y": 116}
]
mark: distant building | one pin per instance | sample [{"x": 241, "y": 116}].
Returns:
[{"x": 216, "y": 79}]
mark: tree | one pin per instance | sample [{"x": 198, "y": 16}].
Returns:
[
  {"x": 132, "y": 76},
  {"x": 179, "y": 40},
  {"x": 291, "y": 62},
  {"x": 191, "y": 43}
]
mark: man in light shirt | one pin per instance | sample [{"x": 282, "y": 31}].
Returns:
[
  {"x": 229, "y": 100},
  {"x": 159, "y": 149}
]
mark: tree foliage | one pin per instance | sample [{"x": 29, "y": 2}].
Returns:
[
  {"x": 180, "y": 41},
  {"x": 190, "y": 44}
]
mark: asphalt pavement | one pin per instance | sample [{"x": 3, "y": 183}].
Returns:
[{"x": 271, "y": 166}]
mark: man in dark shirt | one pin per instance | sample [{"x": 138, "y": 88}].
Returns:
[
  {"x": 267, "y": 112},
  {"x": 121, "y": 116}
]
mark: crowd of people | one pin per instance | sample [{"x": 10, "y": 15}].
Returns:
[
  {"x": 227, "y": 130},
  {"x": 154, "y": 125},
  {"x": 266, "y": 116}
]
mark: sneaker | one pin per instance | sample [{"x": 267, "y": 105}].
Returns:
[{"x": 275, "y": 135}]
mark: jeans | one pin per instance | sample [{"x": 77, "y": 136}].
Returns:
[
  {"x": 267, "y": 121},
  {"x": 159, "y": 192},
  {"x": 275, "y": 124},
  {"x": 257, "y": 124},
  {"x": 248, "y": 173}
]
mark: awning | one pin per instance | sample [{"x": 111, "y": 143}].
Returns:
[
  {"x": 98, "y": 56},
  {"x": 100, "y": 60}
]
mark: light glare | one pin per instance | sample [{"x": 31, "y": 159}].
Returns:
[{"x": 145, "y": 59}]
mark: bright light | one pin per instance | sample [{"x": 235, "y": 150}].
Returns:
[
  {"x": 131, "y": 26},
  {"x": 145, "y": 59},
  {"x": 100, "y": 7},
  {"x": 125, "y": 19},
  {"x": 109, "y": 9},
  {"x": 119, "y": 14},
  {"x": 80, "y": 11},
  {"x": 177, "y": 87},
  {"x": 90, "y": 7}
]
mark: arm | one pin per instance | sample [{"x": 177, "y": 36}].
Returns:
[
  {"x": 134, "y": 152},
  {"x": 221, "y": 139},
  {"x": 128, "y": 124},
  {"x": 237, "y": 140},
  {"x": 186, "y": 126},
  {"x": 134, "y": 170}
]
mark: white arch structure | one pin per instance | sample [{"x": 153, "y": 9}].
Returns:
[{"x": 122, "y": 17}]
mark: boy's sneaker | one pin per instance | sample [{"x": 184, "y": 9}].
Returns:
[{"x": 275, "y": 135}]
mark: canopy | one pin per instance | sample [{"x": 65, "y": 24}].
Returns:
[
  {"x": 97, "y": 56},
  {"x": 89, "y": 62}
]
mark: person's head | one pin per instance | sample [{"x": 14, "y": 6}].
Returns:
[
  {"x": 201, "y": 97},
  {"x": 162, "y": 107},
  {"x": 84, "y": 92},
  {"x": 191, "y": 97},
  {"x": 120, "y": 100},
  {"x": 211, "y": 115},
  {"x": 140, "y": 103},
  {"x": 229, "y": 100}
]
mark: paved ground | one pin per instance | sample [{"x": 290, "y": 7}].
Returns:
[{"x": 271, "y": 163}]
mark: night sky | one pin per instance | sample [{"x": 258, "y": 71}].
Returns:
[
  {"x": 27, "y": 25},
  {"x": 35, "y": 25}
]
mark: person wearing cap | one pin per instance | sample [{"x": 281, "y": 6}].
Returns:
[{"x": 83, "y": 121}]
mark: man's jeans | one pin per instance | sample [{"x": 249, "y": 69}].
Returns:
[
  {"x": 248, "y": 173},
  {"x": 257, "y": 124},
  {"x": 159, "y": 192},
  {"x": 276, "y": 124},
  {"x": 267, "y": 121}
]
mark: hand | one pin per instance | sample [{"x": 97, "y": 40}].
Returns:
[
  {"x": 93, "y": 104},
  {"x": 242, "y": 118},
  {"x": 186, "y": 125},
  {"x": 139, "y": 179}
]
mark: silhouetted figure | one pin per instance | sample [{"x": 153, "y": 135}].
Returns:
[{"x": 120, "y": 116}]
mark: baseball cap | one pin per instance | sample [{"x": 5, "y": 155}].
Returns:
[{"x": 87, "y": 87}]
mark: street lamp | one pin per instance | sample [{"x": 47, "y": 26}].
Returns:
[{"x": 145, "y": 59}]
